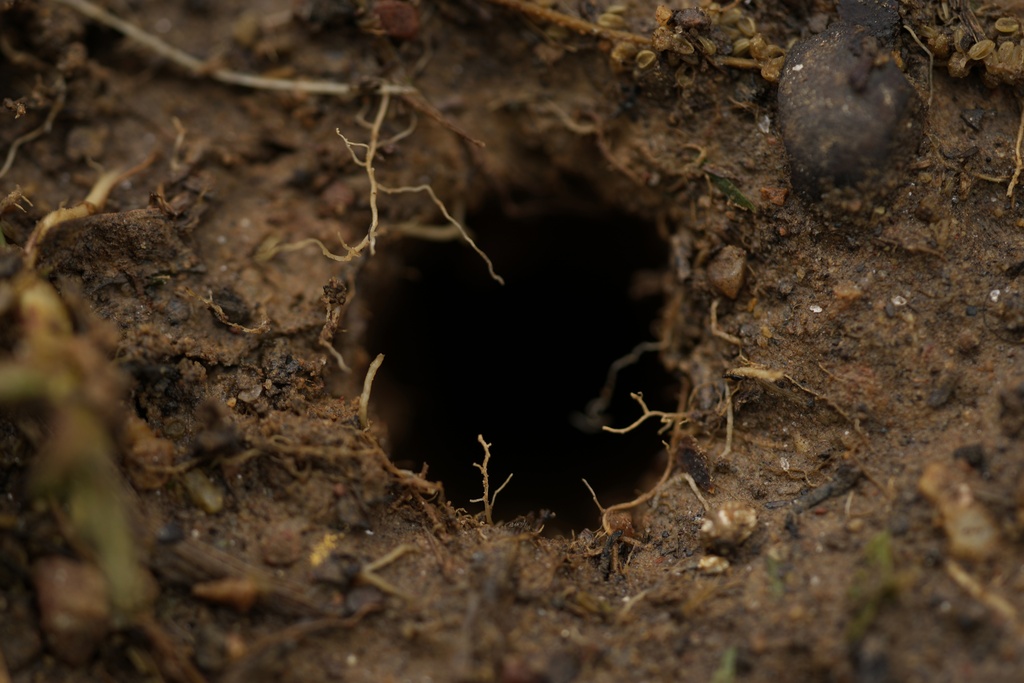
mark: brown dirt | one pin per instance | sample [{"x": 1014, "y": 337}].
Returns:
[{"x": 838, "y": 355}]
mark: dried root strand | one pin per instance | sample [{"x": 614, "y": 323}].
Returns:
[
  {"x": 51, "y": 116},
  {"x": 668, "y": 420},
  {"x": 364, "y": 398},
  {"x": 487, "y": 499},
  {"x": 199, "y": 67}
]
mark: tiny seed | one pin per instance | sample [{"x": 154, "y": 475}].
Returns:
[
  {"x": 958, "y": 38},
  {"x": 645, "y": 58},
  {"x": 616, "y": 9},
  {"x": 1007, "y": 25},
  {"x": 747, "y": 27},
  {"x": 682, "y": 46},
  {"x": 1018, "y": 56},
  {"x": 683, "y": 78},
  {"x": 1005, "y": 53},
  {"x": 623, "y": 52},
  {"x": 981, "y": 49},
  {"x": 741, "y": 47},
  {"x": 707, "y": 46},
  {"x": 730, "y": 17},
  {"x": 609, "y": 20}
]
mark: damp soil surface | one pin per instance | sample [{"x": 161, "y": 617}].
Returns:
[{"x": 301, "y": 386}]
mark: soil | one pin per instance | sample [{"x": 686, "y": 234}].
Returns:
[{"x": 809, "y": 282}]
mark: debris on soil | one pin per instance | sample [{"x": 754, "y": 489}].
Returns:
[{"x": 207, "y": 211}]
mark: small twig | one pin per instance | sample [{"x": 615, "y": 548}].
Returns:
[
  {"x": 487, "y": 499},
  {"x": 364, "y": 398},
  {"x": 198, "y": 67},
  {"x": 538, "y": 13},
  {"x": 668, "y": 420},
  {"x": 51, "y": 116}
]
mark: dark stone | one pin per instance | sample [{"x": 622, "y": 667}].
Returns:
[{"x": 845, "y": 112}]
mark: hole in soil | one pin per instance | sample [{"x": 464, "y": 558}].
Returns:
[{"x": 519, "y": 363}]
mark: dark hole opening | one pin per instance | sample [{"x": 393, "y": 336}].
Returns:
[{"x": 519, "y": 364}]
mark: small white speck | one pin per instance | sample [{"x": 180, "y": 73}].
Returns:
[
  {"x": 564, "y": 633},
  {"x": 351, "y": 660},
  {"x": 764, "y": 124},
  {"x": 798, "y": 67},
  {"x": 368, "y": 532},
  {"x": 898, "y": 301},
  {"x": 221, "y": 239},
  {"x": 815, "y": 308},
  {"x": 994, "y": 295}
]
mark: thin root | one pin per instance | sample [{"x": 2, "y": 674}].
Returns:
[
  {"x": 668, "y": 420},
  {"x": 628, "y": 505},
  {"x": 487, "y": 499},
  {"x": 1019, "y": 162},
  {"x": 931, "y": 60},
  {"x": 51, "y": 116},
  {"x": 597, "y": 407},
  {"x": 93, "y": 203},
  {"x": 199, "y": 67},
  {"x": 368, "y": 574},
  {"x": 718, "y": 332},
  {"x": 696, "y": 490},
  {"x": 454, "y": 223},
  {"x": 364, "y": 398}
]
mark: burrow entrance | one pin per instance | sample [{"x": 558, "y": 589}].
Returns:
[{"x": 520, "y": 363}]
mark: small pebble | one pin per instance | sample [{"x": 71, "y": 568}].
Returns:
[
  {"x": 728, "y": 270},
  {"x": 205, "y": 494}
]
